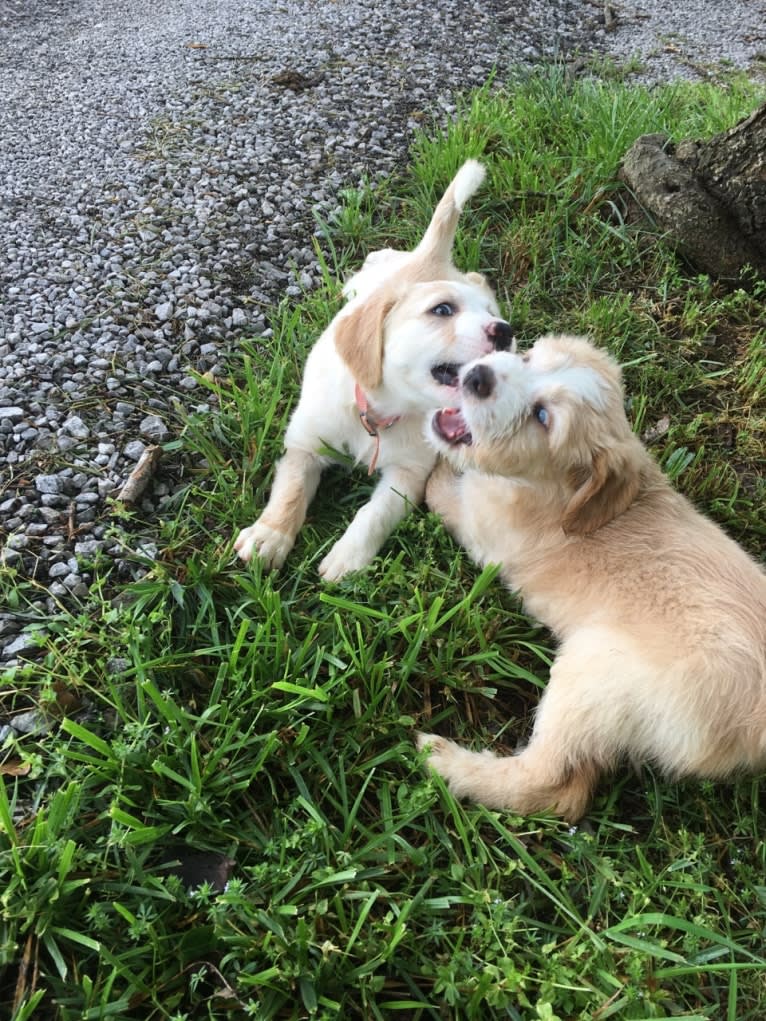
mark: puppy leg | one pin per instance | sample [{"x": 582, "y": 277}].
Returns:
[
  {"x": 273, "y": 535},
  {"x": 442, "y": 494},
  {"x": 572, "y": 742},
  {"x": 525, "y": 783},
  {"x": 398, "y": 489}
]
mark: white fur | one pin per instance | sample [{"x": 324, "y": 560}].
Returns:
[{"x": 468, "y": 180}]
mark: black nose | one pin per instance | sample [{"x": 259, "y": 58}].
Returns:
[
  {"x": 480, "y": 381},
  {"x": 501, "y": 334}
]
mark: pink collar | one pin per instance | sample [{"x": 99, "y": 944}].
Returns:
[{"x": 372, "y": 425}]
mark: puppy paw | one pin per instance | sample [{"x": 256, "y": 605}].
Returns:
[
  {"x": 441, "y": 752},
  {"x": 344, "y": 558},
  {"x": 460, "y": 767},
  {"x": 269, "y": 545}
]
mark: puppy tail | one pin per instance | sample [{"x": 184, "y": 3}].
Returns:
[{"x": 436, "y": 244}]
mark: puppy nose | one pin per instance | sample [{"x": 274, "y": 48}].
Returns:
[
  {"x": 480, "y": 381},
  {"x": 501, "y": 334}
]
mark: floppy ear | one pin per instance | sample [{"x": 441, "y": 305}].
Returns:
[
  {"x": 609, "y": 488},
  {"x": 479, "y": 280},
  {"x": 359, "y": 339}
]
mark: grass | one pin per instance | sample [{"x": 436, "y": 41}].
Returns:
[{"x": 224, "y": 815}]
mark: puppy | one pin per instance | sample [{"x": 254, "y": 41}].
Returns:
[
  {"x": 390, "y": 355},
  {"x": 661, "y": 618}
]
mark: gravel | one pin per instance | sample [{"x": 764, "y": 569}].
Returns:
[
  {"x": 691, "y": 40},
  {"x": 160, "y": 170}
]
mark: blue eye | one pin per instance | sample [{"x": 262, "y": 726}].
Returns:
[
  {"x": 443, "y": 309},
  {"x": 542, "y": 415}
]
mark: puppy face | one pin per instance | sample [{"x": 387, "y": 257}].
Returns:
[
  {"x": 410, "y": 340},
  {"x": 413, "y": 318},
  {"x": 432, "y": 332},
  {"x": 553, "y": 414}
]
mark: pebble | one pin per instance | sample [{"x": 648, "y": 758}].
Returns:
[
  {"x": 164, "y": 311},
  {"x": 154, "y": 429},
  {"x": 75, "y": 426},
  {"x": 50, "y": 484},
  {"x": 30, "y": 722},
  {"x": 23, "y": 645},
  {"x": 134, "y": 449},
  {"x": 10, "y": 414}
]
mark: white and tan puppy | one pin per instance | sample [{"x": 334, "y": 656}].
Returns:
[
  {"x": 391, "y": 354},
  {"x": 661, "y": 618}
]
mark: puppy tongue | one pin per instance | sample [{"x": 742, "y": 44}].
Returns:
[{"x": 450, "y": 424}]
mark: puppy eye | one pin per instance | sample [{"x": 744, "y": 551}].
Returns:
[
  {"x": 443, "y": 309},
  {"x": 542, "y": 415}
]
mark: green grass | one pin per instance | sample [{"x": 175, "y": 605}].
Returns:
[{"x": 269, "y": 720}]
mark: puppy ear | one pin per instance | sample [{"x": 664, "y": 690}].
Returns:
[
  {"x": 609, "y": 488},
  {"x": 359, "y": 339}
]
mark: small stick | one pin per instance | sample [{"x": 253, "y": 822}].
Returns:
[
  {"x": 22, "y": 989},
  {"x": 138, "y": 479}
]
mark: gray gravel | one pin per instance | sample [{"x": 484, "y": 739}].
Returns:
[
  {"x": 160, "y": 169},
  {"x": 693, "y": 39}
]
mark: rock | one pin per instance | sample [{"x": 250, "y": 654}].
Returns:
[
  {"x": 53, "y": 485},
  {"x": 75, "y": 426},
  {"x": 134, "y": 449},
  {"x": 25, "y": 645},
  {"x": 164, "y": 311},
  {"x": 154, "y": 429},
  {"x": 11, "y": 414},
  {"x": 31, "y": 722}
]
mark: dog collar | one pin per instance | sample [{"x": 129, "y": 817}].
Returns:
[{"x": 372, "y": 425}]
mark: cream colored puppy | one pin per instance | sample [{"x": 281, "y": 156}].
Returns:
[
  {"x": 390, "y": 355},
  {"x": 661, "y": 618}
]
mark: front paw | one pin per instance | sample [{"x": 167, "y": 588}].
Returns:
[
  {"x": 441, "y": 753},
  {"x": 270, "y": 546},
  {"x": 440, "y": 488},
  {"x": 344, "y": 558},
  {"x": 458, "y": 766}
]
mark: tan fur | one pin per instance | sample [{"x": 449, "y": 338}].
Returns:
[
  {"x": 661, "y": 617},
  {"x": 610, "y": 488},
  {"x": 359, "y": 339}
]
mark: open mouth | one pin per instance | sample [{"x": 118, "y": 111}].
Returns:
[
  {"x": 446, "y": 374},
  {"x": 450, "y": 425}
]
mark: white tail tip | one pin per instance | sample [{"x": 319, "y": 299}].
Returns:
[{"x": 467, "y": 180}]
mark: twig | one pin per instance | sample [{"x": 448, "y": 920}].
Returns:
[
  {"x": 71, "y": 527},
  {"x": 24, "y": 990},
  {"x": 138, "y": 479}
]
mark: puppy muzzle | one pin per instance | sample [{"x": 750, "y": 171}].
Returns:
[
  {"x": 479, "y": 381},
  {"x": 501, "y": 334}
]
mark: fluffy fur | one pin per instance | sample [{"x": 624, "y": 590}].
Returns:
[
  {"x": 411, "y": 321},
  {"x": 660, "y": 617}
]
